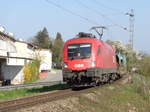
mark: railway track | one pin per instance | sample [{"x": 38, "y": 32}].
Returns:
[
  {"x": 32, "y": 85},
  {"x": 28, "y": 101},
  {"x": 12, "y": 105}
]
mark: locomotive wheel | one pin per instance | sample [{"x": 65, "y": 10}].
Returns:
[
  {"x": 105, "y": 78},
  {"x": 113, "y": 76}
]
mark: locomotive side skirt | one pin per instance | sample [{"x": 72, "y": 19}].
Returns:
[
  {"x": 89, "y": 77},
  {"x": 90, "y": 72},
  {"x": 99, "y": 71}
]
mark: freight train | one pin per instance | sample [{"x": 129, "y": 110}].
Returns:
[{"x": 88, "y": 61}]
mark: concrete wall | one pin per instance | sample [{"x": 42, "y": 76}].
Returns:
[
  {"x": 13, "y": 73},
  {"x": 1, "y": 74}
]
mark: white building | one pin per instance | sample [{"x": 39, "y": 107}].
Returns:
[
  {"x": 6, "y": 46},
  {"x": 14, "y": 55}
]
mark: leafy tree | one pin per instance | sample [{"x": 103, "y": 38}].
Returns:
[
  {"x": 57, "y": 48},
  {"x": 42, "y": 39},
  {"x": 131, "y": 55},
  {"x": 31, "y": 70}
]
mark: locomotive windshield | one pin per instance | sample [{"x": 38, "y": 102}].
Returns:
[{"x": 79, "y": 51}]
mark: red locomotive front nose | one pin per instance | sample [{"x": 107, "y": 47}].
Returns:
[
  {"x": 85, "y": 64},
  {"x": 79, "y": 64}
]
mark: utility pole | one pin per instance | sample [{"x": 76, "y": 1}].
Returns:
[
  {"x": 131, "y": 27},
  {"x": 99, "y": 33}
]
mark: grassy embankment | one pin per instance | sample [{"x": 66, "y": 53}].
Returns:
[
  {"x": 130, "y": 97},
  {"x": 134, "y": 97},
  {"x": 12, "y": 94}
]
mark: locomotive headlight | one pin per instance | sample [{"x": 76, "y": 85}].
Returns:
[
  {"x": 93, "y": 63},
  {"x": 65, "y": 65}
]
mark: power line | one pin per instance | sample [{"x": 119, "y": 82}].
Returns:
[
  {"x": 84, "y": 5},
  {"x": 71, "y": 12},
  {"x": 107, "y": 7},
  {"x": 99, "y": 13}
]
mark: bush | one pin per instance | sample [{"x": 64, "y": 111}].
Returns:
[
  {"x": 144, "y": 66},
  {"x": 31, "y": 71},
  {"x": 141, "y": 86}
]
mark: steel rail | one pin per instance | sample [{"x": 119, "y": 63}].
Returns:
[
  {"x": 12, "y": 105},
  {"x": 32, "y": 85}
]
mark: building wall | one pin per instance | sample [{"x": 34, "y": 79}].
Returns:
[
  {"x": 13, "y": 73},
  {"x": 7, "y": 45},
  {"x": 3, "y": 53},
  {"x": 1, "y": 74},
  {"x": 46, "y": 57},
  {"x": 23, "y": 50}
]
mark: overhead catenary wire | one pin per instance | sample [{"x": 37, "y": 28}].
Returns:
[
  {"x": 101, "y": 14},
  {"x": 71, "y": 12},
  {"x": 85, "y": 6},
  {"x": 107, "y": 7},
  {"x": 85, "y": 18}
]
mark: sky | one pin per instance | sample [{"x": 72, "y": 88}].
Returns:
[{"x": 25, "y": 18}]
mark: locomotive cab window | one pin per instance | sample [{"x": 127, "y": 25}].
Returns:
[{"x": 79, "y": 51}]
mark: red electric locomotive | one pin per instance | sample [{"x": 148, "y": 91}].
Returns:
[{"x": 88, "y": 61}]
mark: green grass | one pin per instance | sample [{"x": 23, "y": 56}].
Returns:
[
  {"x": 12, "y": 94},
  {"x": 119, "y": 99},
  {"x": 110, "y": 98}
]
